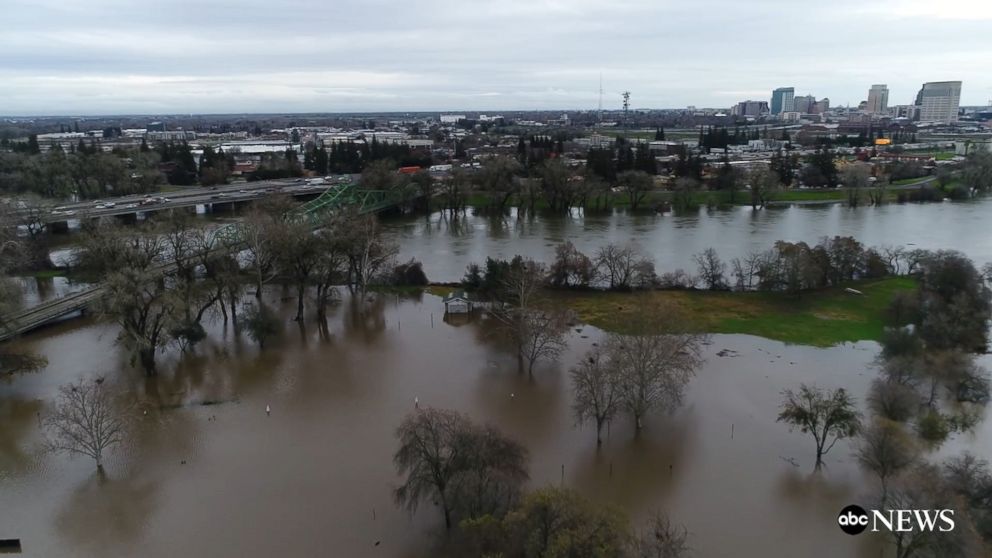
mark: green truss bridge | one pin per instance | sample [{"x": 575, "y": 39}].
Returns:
[{"x": 335, "y": 197}]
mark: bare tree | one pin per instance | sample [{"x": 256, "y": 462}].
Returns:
[
  {"x": 745, "y": 270},
  {"x": 598, "y": 393},
  {"x": 886, "y": 450},
  {"x": 655, "y": 367},
  {"x": 523, "y": 282},
  {"x": 536, "y": 334},
  {"x": 257, "y": 230},
  {"x": 624, "y": 266},
  {"x": 662, "y": 539},
  {"x": 711, "y": 270},
  {"x": 368, "y": 253},
  {"x": 87, "y": 419},
  {"x": 826, "y": 416}
]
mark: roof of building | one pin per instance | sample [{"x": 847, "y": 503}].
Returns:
[{"x": 457, "y": 295}]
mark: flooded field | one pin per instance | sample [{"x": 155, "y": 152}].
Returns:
[{"x": 209, "y": 473}]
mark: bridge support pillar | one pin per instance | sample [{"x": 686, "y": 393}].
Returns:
[{"x": 127, "y": 218}]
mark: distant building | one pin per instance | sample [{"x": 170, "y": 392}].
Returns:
[
  {"x": 822, "y": 106},
  {"x": 750, "y": 108},
  {"x": 155, "y": 127},
  {"x": 451, "y": 118},
  {"x": 878, "y": 99},
  {"x": 804, "y": 104},
  {"x": 783, "y": 100},
  {"x": 939, "y": 101},
  {"x": 912, "y": 112},
  {"x": 172, "y": 135}
]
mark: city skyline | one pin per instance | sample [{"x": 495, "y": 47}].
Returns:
[{"x": 183, "y": 57}]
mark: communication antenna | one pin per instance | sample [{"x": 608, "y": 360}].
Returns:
[
  {"x": 626, "y": 107},
  {"x": 600, "y": 109}
]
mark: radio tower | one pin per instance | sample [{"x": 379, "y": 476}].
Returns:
[
  {"x": 626, "y": 106},
  {"x": 600, "y": 109}
]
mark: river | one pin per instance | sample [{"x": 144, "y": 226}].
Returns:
[
  {"x": 209, "y": 473},
  {"x": 446, "y": 245}
]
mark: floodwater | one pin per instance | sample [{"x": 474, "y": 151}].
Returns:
[
  {"x": 446, "y": 245},
  {"x": 208, "y": 473},
  {"x": 314, "y": 477}
]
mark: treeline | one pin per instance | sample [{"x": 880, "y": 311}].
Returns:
[
  {"x": 84, "y": 171},
  {"x": 791, "y": 267},
  {"x": 352, "y": 158},
  {"x": 608, "y": 163}
]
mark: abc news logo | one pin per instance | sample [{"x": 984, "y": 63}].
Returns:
[{"x": 854, "y": 520}]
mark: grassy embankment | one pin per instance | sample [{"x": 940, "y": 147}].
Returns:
[{"x": 820, "y": 318}]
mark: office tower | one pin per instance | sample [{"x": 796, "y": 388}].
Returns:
[
  {"x": 804, "y": 104},
  {"x": 783, "y": 100},
  {"x": 750, "y": 108},
  {"x": 878, "y": 98},
  {"x": 939, "y": 101}
]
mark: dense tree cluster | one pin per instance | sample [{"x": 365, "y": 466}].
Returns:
[
  {"x": 353, "y": 157},
  {"x": 85, "y": 172}
]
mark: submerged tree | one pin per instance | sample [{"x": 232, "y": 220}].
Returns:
[
  {"x": 662, "y": 539},
  {"x": 826, "y": 416},
  {"x": 87, "y": 419},
  {"x": 469, "y": 471},
  {"x": 536, "y": 334},
  {"x": 598, "y": 395},
  {"x": 886, "y": 450}
]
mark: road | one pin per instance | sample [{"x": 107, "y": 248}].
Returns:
[{"x": 189, "y": 197}]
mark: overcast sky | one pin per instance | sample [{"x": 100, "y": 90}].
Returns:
[{"x": 204, "y": 56}]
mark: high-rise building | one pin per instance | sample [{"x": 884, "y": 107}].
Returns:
[
  {"x": 750, "y": 108},
  {"x": 822, "y": 106},
  {"x": 939, "y": 101},
  {"x": 878, "y": 98},
  {"x": 783, "y": 100},
  {"x": 804, "y": 104}
]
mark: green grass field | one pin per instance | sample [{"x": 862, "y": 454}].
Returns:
[{"x": 820, "y": 318}]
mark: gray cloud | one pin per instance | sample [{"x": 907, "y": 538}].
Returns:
[{"x": 112, "y": 56}]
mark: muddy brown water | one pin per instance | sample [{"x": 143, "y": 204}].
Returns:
[{"x": 314, "y": 477}]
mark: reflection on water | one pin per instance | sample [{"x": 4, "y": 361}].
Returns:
[
  {"x": 446, "y": 245},
  {"x": 209, "y": 473}
]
